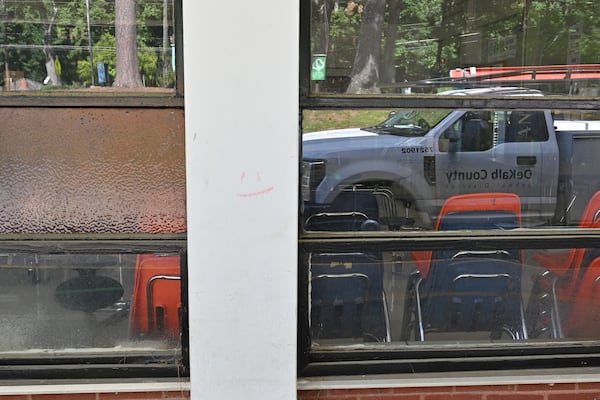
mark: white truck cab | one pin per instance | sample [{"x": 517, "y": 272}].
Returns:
[{"x": 413, "y": 161}]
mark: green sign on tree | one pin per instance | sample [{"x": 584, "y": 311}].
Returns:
[{"x": 317, "y": 68}]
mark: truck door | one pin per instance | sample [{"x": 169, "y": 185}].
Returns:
[{"x": 492, "y": 151}]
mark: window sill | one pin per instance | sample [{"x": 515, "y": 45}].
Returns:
[
  {"x": 33, "y": 387},
  {"x": 447, "y": 379}
]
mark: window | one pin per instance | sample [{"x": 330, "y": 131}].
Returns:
[
  {"x": 448, "y": 186},
  {"x": 93, "y": 219},
  {"x": 93, "y": 242}
]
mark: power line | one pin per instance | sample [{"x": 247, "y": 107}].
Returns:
[{"x": 74, "y": 47}]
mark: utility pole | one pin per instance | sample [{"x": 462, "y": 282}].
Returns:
[
  {"x": 87, "y": 12},
  {"x": 3, "y": 15},
  {"x": 165, "y": 41}
]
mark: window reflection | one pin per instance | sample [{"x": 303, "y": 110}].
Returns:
[
  {"x": 406, "y": 46},
  {"x": 84, "y": 44},
  {"x": 396, "y": 174},
  {"x": 494, "y": 169},
  {"x": 466, "y": 296},
  {"x": 104, "y": 302}
]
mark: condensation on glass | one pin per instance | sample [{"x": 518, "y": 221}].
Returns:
[
  {"x": 92, "y": 171},
  {"x": 88, "y": 45},
  {"x": 397, "y": 47},
  {"x": 90, "y": 302}
]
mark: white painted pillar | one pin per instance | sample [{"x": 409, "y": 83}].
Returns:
[{"x": 241, "y": 110}]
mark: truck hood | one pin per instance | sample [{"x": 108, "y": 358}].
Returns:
[
  {"x": 337, "y": 133},
  {"x": 331, "y": 144}
]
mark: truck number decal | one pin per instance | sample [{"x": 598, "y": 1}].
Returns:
[{"x": 406, "y": 150}]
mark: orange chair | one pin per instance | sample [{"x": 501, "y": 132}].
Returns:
[
  {"x": 156, "y": 303},
  {"x": 561, "y": 263},
  {"x": 555, "y": 287},
  {"x": 494, "y": 201},
  {"x": 584, "y": 318}
]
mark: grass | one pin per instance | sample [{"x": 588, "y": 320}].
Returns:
[{"x": 319, "y": 120}]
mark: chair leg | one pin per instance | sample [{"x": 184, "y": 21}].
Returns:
[
  {"x": 386, "y": 316},
  {"x": 409, "y": 317},
  {"x": 543, "y": 313},
  {"x": 420, "y": 328},
  {"x": 555, "y": 316}
]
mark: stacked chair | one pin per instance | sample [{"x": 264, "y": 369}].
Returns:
[
  {"x": 346, "y": 294},
  {"x": 583, "y": 321},
  {"x": 468, "y": 290},
  {"x": 347, "y": 298},
  {"x": 566, "y": 286},
  {"x": 351, "y": 211}
]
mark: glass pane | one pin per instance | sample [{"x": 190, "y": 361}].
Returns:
[
  {"x": 100, "y": 303},
  {"x": 395, "y": 169},
  {"x": 467, "y": 297},
  {"x": 362, "y": 47},
  {"x": 92, "y": 171},
  {"x": 87, "y": 44}
]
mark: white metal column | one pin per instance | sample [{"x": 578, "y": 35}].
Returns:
[{"x": 241, "y": 107}]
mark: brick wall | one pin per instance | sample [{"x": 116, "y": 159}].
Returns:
[
  {"x": 167, "y": 395},
  {"x": 562, "y": 391}
]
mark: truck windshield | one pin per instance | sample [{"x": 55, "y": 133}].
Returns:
[{"x": 409, "y": 122}]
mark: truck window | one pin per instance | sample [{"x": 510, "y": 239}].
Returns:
[
  {"x": 472, "y": 132},
  {"x": 482, "y": 130},
  {"x": 526, "y": 126}
]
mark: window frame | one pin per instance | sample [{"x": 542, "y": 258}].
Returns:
[
  {"x": 387, "y": 359},
  {"x": 117, "y": 365}
]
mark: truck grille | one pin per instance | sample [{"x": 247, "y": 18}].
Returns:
[
  {"x": 429, "y": 169},
  {"x": 313, "y": 172}
]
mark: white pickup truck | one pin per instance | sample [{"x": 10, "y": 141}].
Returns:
[{"x": 397, "y": 174}]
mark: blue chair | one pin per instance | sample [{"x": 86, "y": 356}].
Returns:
[
  {"x": 468, "y": 290},
  {"x": 347, "y": 299},
  {"x": 472, "y": 292},
  {"x": 351, "y": 211}
]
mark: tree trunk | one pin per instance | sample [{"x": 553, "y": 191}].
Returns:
[
  {"x": 365, "y": 70},
  {"x": 388, "y": 67},
  {"x": 128, "y": 70},
  {"x": 524, "y": 31},
  {"x": 443, "y": 35},
  {"x": 52, "y": 65}
]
